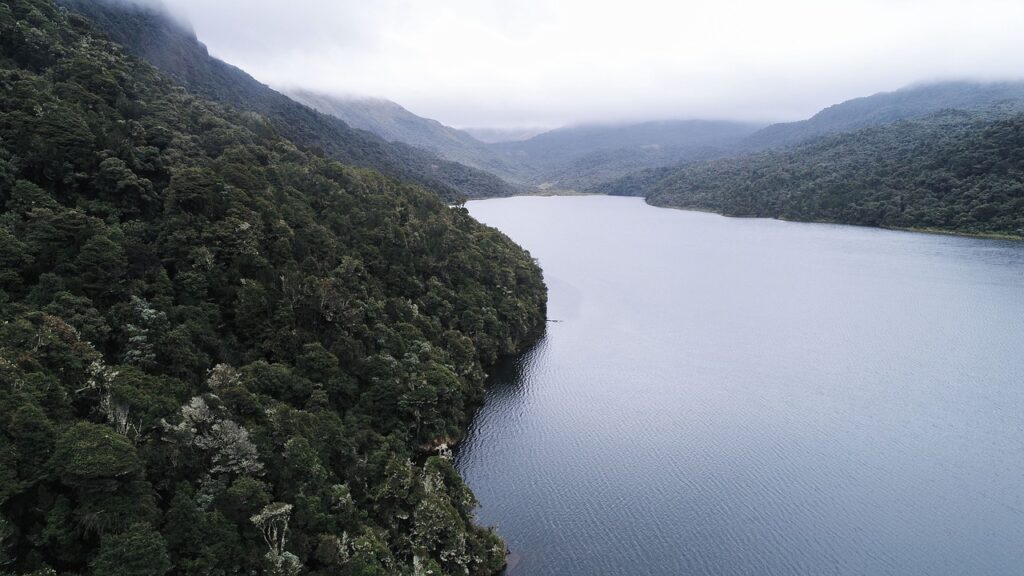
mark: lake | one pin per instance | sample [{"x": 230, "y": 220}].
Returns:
[{"x": 728, "y": 396}]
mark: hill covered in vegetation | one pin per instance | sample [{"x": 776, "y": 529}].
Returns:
[
  {"x": 570, "y": 158},
  {"x": 885, "y": 108},
  {"x": 221, "y": 352},
  {"x": 579, "y": 157},
  {"x": 173, "y": 48},
  {"x": 958, "y": 171},
  {"x": 495, "y": 135},
  {"x": 394, "y": 123}
]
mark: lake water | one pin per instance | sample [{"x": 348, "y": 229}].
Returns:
[{"x": 753, "y": 397}]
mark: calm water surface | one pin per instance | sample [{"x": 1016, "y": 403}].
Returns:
[{"x": 751, "y": 397}]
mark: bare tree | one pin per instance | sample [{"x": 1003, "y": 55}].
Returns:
[{"x": 272, "y": 521}]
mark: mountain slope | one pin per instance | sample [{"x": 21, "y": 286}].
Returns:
[
  {"x": 571, "y": 158},
  {"x": 396, "y": 124},
  {"x": 957, "y": 171},
  {"x": 582, "y": 156},
  {"x": 885, "y": 108},
  {"x": 495, "y": 135},
  {"x": 174, "y": 49},
  {"x": 211, "y": 339}
]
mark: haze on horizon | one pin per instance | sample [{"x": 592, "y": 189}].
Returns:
[{"x": 504, "y": 63}]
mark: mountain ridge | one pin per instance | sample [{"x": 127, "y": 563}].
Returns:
[
  {"x": 394, "y": 123},
  {"x": 905, "y": 103},
  {"x": 153, "y": 35},
  {"x": 568, "y": 158},
  {"x": 578, "y": 157},
  {"x": 959, "y": 171}
]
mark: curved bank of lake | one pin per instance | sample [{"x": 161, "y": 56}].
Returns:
[{"x": 754, "y": 397}]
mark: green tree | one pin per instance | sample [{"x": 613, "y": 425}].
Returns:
[{"x": 140, "y": 551}]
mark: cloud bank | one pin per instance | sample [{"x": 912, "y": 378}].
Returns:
[{"x": 538, "y": 62}]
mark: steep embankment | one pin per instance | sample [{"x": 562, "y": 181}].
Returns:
[{"x": 220, "y": 353}]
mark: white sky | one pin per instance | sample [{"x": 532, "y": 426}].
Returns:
[{"x": 507, "y": 63}]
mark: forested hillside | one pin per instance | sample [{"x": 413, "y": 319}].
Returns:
[
  {"x": 957, "y": 171},
  {"x": 579, "y": 157},
  {"x": 571, "y": 158},
  {"x": 885, "y": 108},
  {"x": 221, "y": 353},
  {"x": 396, "y": 124},
  {"x": 174, "y": 49},
  {"x": 496, "y": 135},
  {"x": 602, "y": 166}
]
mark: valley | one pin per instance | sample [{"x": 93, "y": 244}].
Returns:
[{"x": 257, "y": 321}]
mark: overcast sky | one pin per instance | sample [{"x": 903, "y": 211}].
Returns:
[{"x": 552, "y": 62}]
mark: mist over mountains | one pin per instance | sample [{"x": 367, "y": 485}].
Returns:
[
  {"x": 241, "y": 329},
  {"x": 886, "y": 107},
  {"x": 163, "y": 41},
  {"x": 595, "y": 157},
  {"x": 940, "y": 156},
  {"x": 570, "y": 158},
  {"x": 495, "y": 135},
  {"x": 394, "y": 123},
  {"x": 633, "y": 158},
  {"x": 380, "y": 133}
]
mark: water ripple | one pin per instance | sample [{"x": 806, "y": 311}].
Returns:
[{"x": 756, "y": 398}]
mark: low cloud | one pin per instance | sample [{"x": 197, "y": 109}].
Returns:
[{"x": 536, "y": 62}]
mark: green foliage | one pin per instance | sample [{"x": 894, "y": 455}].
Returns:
[
  {"x": 93, "y": 457},
  {"x": 200, "y": 321},
  {"x": 140, "y": 551}
]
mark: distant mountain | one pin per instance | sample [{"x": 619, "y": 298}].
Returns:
[
  {"x": 495, "y": 135},
  {"x": 394, "y": 123},
  {"x": 886, "y": 107},
  {"x": 557, "y": 146},
  {"x": 601, "y": 166},
  {"x": 387, "y": 119},
  {"x": 563, "y": 159},
  {"x": 582, "y": 156},
  {"x": 954, "y": 170},
  {"x": 175, "y": 50}
]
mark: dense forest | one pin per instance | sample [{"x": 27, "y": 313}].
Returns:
[
  {"x": 172, "y": 47},
  {"x": 957, "y": 171},
  {"x": 220, "y": 352}
]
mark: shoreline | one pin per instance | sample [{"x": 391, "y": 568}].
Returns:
[
  {"x": 924, "y": 230},
  {"x": 942, "y": 231}
]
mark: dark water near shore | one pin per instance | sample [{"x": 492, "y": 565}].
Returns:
[{"x": 751, "y": 397}]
